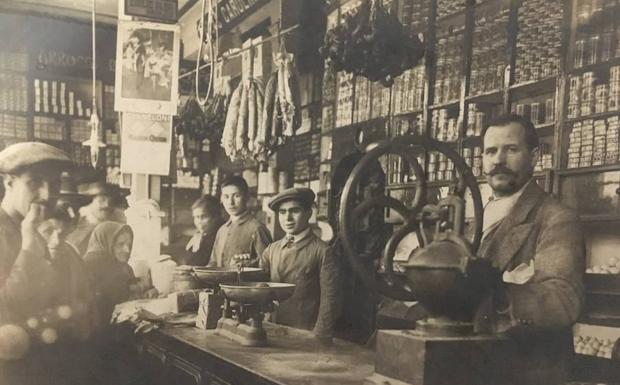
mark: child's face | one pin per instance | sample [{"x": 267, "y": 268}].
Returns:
[
  {"x": 122, "y": 246},
  {"x": 54, "y": 232},
  {"x": 200, "y": 218}
]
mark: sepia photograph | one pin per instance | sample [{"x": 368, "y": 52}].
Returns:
[
  {"x": 310, "y": 192},
  {"x": 148, "y": 67}
]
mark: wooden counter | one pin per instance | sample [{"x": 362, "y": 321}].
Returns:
[
  {"x": 199, "y": 357},
  {"x": 191, "y": 356}
]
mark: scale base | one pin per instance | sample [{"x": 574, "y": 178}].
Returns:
[
  {"x": 243, "y": 334},
  {"x": 406, "y": 357}
]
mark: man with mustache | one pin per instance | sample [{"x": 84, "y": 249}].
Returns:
[
  {"x": 537, "y": 245},
  {"x": 101, "y": 208}
]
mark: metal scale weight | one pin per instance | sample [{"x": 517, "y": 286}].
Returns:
[{"x": 443, "y": 274}]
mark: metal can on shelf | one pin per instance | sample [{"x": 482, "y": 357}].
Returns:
[
  {"x": 601, "y": 95},
  {"x": 607, "y": 45},
  {"x": 594, "y": 49}
]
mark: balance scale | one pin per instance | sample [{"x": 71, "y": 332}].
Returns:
[{"x": 245, "y": 305}]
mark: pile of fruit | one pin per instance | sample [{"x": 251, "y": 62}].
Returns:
[
  {"x": 15, "y": 340},
  {"x": 372, "y": 43},
  {"x": 592, "y": 346},
  {"x": 611, "y": 267}
]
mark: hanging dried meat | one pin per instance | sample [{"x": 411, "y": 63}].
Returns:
[
  {"x": 281, "y": 111},
  {"x": 242, "y": 120},
  {"x": 372, "y": 43}
]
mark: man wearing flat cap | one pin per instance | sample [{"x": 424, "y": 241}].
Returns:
[
  {"x": 31, "y": 176},
  {"x": 303, "y": 259},
  {"x": 28, "y": 281}
]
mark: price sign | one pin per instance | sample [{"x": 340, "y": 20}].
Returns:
[{"x": 161, "y": 10}]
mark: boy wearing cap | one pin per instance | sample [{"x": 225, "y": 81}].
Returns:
[
  {"x": 242, "y": 236},
  {"x": 305, "y": 260}
]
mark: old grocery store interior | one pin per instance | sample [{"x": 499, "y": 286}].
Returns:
[{"x": 287, "y": 93}]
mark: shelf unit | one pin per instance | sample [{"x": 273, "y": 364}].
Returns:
[{"x": 42, "y": 81}]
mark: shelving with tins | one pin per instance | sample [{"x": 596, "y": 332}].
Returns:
[
  {"x": 593, "y": 107},
  {"x": 14, "y": 106},
  {"x": 55, "y": 110}
]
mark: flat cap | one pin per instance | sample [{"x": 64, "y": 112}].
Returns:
[
  {"x": 26, "y": 154},
  {"x": 301, "y": 194},
  {"x": 96, "y": 188}
]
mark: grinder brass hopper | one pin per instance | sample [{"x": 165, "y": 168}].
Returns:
[{"x": 245, "y": 306}]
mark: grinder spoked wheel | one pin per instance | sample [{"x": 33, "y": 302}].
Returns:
[{"x": 417, "y": 217}]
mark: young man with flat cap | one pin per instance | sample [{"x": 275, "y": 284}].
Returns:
[
  {"x": 28, "y": 280},
  {"x": 305, "y": 260}
]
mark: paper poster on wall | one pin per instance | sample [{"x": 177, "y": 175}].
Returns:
[
  {"x": 147, "y": 67},
  {"x": 146, "y": 144}
]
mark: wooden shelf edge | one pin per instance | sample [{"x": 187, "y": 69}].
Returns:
[
  {"x": 452, "y": 103},
  {"x": 15, "y": 113},
  {"x": 486, "y": 95},
  {"x": 597, "y": 116},
  {"x": 594, "y": 67},
  {"x": 403, "y": 114},
  {"x": 589, "y": 170},
  {"x": 532, "y": 83}
]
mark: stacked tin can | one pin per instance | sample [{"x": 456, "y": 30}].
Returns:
[
  {"x": 432, "y": 167},
  {"x": 539, "y": 40},
  {"x": 448, "y": 7},
  {"x": 473, "y": 158},
  {"x": 588, "y": 95},
  {"x": 489, "y": 52},
  {"x": 587, "y": 143},
  {"x": 408, "y": 91},
  {"x": 613, "y": 102},
  {"x": 444, "y": 128},
  {"x": 475, "y": 120},
  {"x": 613, "y": 131},
  {"x": 440, "y": 168},
  {"x": 449, "y": 65},
  {"x": 545, "y": 160},
  {"x": 582, "y": 95},
  {"x": 600, "y": 141},
  {"x": 574, "y": 146},
  {"x": 596, "y": 36}
]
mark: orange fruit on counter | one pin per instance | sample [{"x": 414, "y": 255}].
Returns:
[
  {"x": 49, "y": 336},
  {"x": 14, "y": 342}
]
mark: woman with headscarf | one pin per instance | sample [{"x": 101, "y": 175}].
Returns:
[{"x": 106, "y": 259}]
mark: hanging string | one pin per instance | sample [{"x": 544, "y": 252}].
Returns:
[
  {"x": 94, "y": 66},
  {"x": 211, "y": 26}
]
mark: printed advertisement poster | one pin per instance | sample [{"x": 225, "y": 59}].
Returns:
[{"x": 147, "y": 142}]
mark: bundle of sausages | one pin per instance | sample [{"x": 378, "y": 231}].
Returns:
[
  {"x": 258, "y": 122},
  {"x": 244, "y": 114}
]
